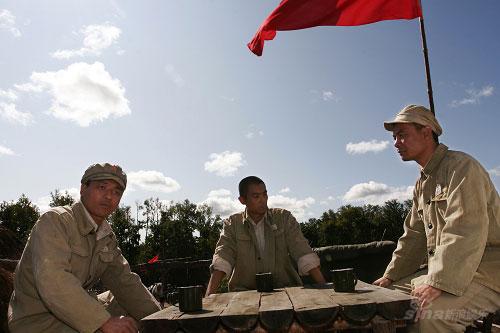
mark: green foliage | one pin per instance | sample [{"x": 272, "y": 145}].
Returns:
[
  {"x": 356, "y": 225},
  {"x": 60, "y": 199},
  {"x": 179, "y": 230},
  {"x": 19, "y": 216},
  {"x": 127, "y": 233}
]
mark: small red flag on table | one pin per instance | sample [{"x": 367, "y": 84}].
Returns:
[
  {"x": 154, "y": 259},
  {"x": 302, "y": 14}
]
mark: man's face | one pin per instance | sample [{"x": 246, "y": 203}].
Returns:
[
  {"x": 255, "y": 199},
  {"x": 101, "y": 198},
  {"x": 409, "y": 141}
]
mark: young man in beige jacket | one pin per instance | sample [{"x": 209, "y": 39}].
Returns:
[
  {"x": 453, "y": 225},
  {"x": 258, "y": 240},
  {"x": 70, "y": 249}
]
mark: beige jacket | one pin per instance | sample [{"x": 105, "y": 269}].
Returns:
[
  {"x": 284, "y": 241},
  {"x": 455, "y": 222},
  {"x": 61, "y": 261}
]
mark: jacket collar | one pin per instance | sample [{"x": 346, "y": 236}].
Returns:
[
  {"x": 268, "y": 219},
  {"x": 435, "y": 160},
  {"x": 85, "y": 223}
]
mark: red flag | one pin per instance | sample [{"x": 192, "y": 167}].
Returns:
[
  {"x": 154, "y": 259},
  {"x": 301, "y": 14}
]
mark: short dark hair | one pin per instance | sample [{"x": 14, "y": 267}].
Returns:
[
  {"x": 434, "y": 135},
  {"x": 246, "y": 182}
]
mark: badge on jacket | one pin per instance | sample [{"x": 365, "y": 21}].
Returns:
[{"x": 438, "y": 190}]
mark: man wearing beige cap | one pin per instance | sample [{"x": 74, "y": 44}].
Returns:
[
  {"x": 71, "y": 249},
  {"x": 453, "y": 226}
]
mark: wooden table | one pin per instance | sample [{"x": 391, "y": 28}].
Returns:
[{"x": 297, "y": 309}]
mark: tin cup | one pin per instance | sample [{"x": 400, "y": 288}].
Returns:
[
  {"x": 190, "y": 298},
  {"x": 344, "y": 280},
  {"x": 264, "y": 281}
]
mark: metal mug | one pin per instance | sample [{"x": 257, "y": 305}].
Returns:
[
  {"x": 264, "y": 281},
  {"x": 344, "y": 280},
  {"x": 190, "y": 298}
]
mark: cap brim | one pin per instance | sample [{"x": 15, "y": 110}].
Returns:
[{"x": 107, "y": 177}]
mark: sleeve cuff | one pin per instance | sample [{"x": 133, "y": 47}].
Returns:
[
  {"x": 222, "y": 265},
  {"x": 307, "y": 262}
]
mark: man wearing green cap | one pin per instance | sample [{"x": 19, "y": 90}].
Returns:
[
  {"x": 453, "y": 225},
  {"x": 71, "y": 249}
]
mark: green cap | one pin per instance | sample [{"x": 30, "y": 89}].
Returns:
[
  {"x": 415, "y": 114},
  {"x": 103, "y": 171}
]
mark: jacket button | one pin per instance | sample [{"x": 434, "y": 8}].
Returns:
[
  {"x": 431, "y": 252},
  {"x": 430, "y": 226},
  {"x": 258, "y": 258}
]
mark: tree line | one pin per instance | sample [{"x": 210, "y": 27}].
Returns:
[{"x": 187, "y": 230}]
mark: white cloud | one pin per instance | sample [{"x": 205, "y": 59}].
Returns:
[
  {"x": 377, "y": 193},
  {"x": 285, "y": 190},
  {"x": 174, "y": 76},
  {"x": 6, "y": 151},
  {"x": 8, "y": 22},
  {"x": 228, "y": 99},
  {"x": 153, "y": 181},
  {"x": 329, "y": 96},
  {"x": 44, "y": 202},
  {"x": 82, "y": 93},
  {"x": 298, "y": 207},
  {"x": 97, "y": 38},
  {"x": 9, "y": 95},
  {"x": 495, "y": 171},
  {"x": 364, "y": 147},
  {"x": 253, "y": 132},
  {"x": 9, "y": 112},
  {"x": 223, "y": 203},
  {"x": 473, "y": 96},
  {"x": 225, "y": 164}
]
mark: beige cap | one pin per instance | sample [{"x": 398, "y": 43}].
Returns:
[
  {"x": 102, "y": 171},
  {"x": 415, "y": 114}
]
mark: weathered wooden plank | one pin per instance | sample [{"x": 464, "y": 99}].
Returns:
[
  {"x": 207, "y": 319},
  {"x": 161, "y": 321},
  {"x": 391, "y": 304},
  {"x": 242, "y": 312},
  {"x": 276, "y": 311},
  {"x": 355, "y": 307},
  {"x": 314, "y": 309}
]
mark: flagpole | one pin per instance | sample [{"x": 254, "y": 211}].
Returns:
[{"x": 426, "y": 60}]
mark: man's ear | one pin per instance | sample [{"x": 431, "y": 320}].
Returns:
[
  {"x": 82, "y": 188},
  {"x": 428, "y": 132},
  {"x": 242, "y": 200}
]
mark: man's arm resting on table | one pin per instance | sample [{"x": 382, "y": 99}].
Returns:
[
  {"x": 215, "y": 281},
  {"x": 317, "y": 276}
]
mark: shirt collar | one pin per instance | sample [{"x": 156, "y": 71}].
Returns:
[
  {"x": 247, "y": 217},
  {"x": 436, "y": 158},
  {"x": 101, "y": 230}
]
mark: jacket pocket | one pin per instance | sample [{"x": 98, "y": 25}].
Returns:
[{"x": 440, "y": 203}]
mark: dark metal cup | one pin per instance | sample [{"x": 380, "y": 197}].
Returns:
[
  {"x": 190, "y": 298},
  {"x": 264, "y": 281},
  {"x": 344, "y": 280}
]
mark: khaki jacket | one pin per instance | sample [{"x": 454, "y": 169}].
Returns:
[
  {"x": 455, "y": 222},
  {"x": 284, "y": 241},
  {"x": 61, "y": 261}
]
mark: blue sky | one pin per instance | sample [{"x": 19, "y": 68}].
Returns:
[{"x": 169, "y": 90}]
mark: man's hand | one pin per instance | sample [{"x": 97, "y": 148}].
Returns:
[
  {"x": 120, "y": 325},
  {"x": 383, "y": 282},
  {"x": 425, "y": 294}
]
